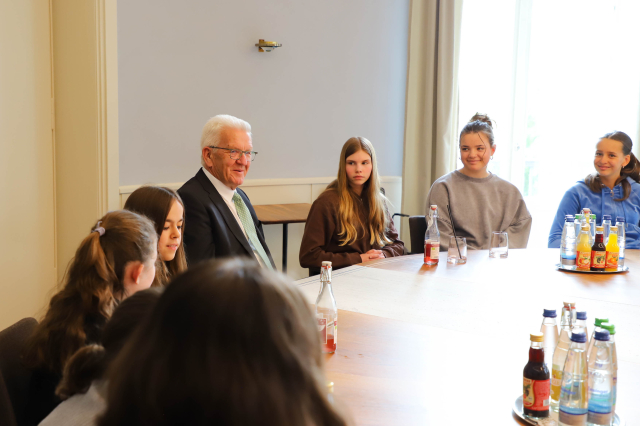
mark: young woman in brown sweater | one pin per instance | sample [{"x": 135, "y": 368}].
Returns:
[{"x": 349, "y": 223}]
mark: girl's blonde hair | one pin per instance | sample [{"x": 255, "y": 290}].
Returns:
[{"x": 348, "y": 219}]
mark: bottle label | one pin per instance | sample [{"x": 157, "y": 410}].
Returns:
[
  {"x": 435, "y": 251},
  {"x": 322, "y": 328},
  {"x": 598, "y": 259},
  {"x": 612, "y": 259},
  {"x": 583, "y": 259},
  {"x": 572, "y": 419},
  {"x": 535, "y": 394},
  {"x": 556, "y": 382}
]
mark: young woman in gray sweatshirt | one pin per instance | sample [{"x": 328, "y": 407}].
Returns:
[{"x": 480, "y": 201}]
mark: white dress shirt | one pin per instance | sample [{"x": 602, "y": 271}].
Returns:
[{"x": 227, "y": 195}]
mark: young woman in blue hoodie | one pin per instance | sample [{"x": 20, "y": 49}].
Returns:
[{"x": 613, "y": 190}]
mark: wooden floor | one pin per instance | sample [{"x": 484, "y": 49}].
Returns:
[{"x": 447, "y": 344}]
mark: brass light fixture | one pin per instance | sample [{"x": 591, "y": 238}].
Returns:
[{"x": 267, "y": 46}]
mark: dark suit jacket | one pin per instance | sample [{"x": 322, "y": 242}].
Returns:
[{"x": 211, "y": 230}]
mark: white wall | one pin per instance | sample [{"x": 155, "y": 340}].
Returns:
[
  {"x": 341, "y": 72},
  {"x": 27, "y": 190}
]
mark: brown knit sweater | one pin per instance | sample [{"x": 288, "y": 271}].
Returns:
[{"x": 321, "y": 242}]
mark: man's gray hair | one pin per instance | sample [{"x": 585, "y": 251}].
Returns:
[{"x": 215, "y": 125}]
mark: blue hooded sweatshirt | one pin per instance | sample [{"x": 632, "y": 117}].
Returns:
[{"x": 580, "y": 196}]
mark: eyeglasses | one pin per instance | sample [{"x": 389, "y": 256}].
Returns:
[{"x": 235, "y": 154}]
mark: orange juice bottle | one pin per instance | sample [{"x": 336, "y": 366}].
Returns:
[
  {"x": 613, "y": 250},
  {"x": 583, "y": 255}
]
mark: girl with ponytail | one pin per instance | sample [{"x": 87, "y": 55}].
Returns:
[
  {"x": 480, "y": 201},
  {"x": 165, "y": 208},
  {"x": 82, "y": 387},
  {"x": 349, "y": 222},
  {"x": 114, "y": 261},
  {"x": 614, "y": 190}
]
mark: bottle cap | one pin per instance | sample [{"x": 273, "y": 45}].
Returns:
[
  {"x": 434, "y": 207},
  {"x": 609, "y": 327},
  {"x": 579, "y": 337},
  {"x": 600, "y": 321},
  {"x": 586, "y": 210},
  {"x": 613, "y": 229},
  {"x": 537, "y": 337},
  {"x": 599, "y": 228},
  {"x": 581, "y": 315},
  {"x": 549, "y": 313},
  {"x": 602, "y": 335},
  {"x": 568, "y": 218},
  {"x": 569, "y": 304},
  {"x": 620, "y": 219},
  {"x": 606, "y": 217},
  {"x": 593, "y": 216},
  {"x": 326, "y": 263},
  {"x": 578, "y": 216},
  {"x": 585, "y": 228}
]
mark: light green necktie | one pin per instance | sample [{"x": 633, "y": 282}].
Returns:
[{"x": 250, "y": 228}]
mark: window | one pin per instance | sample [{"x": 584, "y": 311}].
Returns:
[{"x": 555, "y": 76}]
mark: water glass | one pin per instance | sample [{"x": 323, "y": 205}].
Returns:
[
  {"x": 454, "y": 256},
  {"x": 499, "y": 245}
]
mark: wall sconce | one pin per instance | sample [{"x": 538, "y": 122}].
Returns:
[{"x": 267, "y": 46}]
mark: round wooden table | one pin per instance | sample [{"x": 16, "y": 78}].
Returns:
[{"x": 446, "y": 345}]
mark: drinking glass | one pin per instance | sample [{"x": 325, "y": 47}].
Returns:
[
  {"x": 453, "y": 256},
  {"x": 499, "y": 245}
]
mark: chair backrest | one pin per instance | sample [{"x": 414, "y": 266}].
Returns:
[
  {"x": 417, "y": 229},
  {"x": 14, "y": 375}
]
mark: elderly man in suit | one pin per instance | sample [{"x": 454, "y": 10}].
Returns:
[{"x": 220, "y": 220}]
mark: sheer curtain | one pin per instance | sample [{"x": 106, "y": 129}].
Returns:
[
  {"x": 555, "y": 76},
  {"x": 432, "y": 100}
]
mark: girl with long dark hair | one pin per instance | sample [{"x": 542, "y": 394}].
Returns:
[
  {"x": 165, "y": 208},
  {"x": 114, "y": 261},
  {"x": 612, "y": 190}
]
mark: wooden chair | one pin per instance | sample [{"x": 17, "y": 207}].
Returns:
[
  {"x": 14, "y": 376},
  {"x": 417, "y": 229}
]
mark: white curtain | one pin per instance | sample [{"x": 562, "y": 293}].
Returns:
[{"x": 431, "y": 117}]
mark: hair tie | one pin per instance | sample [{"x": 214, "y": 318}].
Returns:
[{"x": 99, "y": 229}]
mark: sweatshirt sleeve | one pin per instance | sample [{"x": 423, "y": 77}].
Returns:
[
  {"x": 570, "y": 204},
  {"x": 439, "y": 195},
  {"x": 318, "y": 231},
  {"x": 396, "y": 248},
  {"x": 520, "y": 228}
]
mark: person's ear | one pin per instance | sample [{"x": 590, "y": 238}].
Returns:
[
  {"x": 133, "y": 272},
  {"x": 493, "y": 149},
  {"x": 627, "y": 158},
  {"x": 206, "y": 156}
]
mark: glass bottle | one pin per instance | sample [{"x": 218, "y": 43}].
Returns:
[
  {"x": 613, "y": 251},
  {"x": 578, "y": 224},
  {"x": 535, "y": 384},
  {"x": 600, "y": 390},
  {"x": 327, "y": 311},
  {"x": 598, "y": 252},
  {"x": 560, "y": 353},
  {"x": 596, "y": 327},
  {"x": 573, "y": 395},
  {"x": 432, "y": 238},
  {"x": 614, "y": 361},
  {"x": 549, "y": 329},
  {"x": 606, "y": 225},
  {"x": 622, "y": 241},
  {"x": 592, "y": 228},
  {"x": 583, "y": 253},
  {"x": 580, "y": 325},
  {"x": 568, "y": 243}
]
